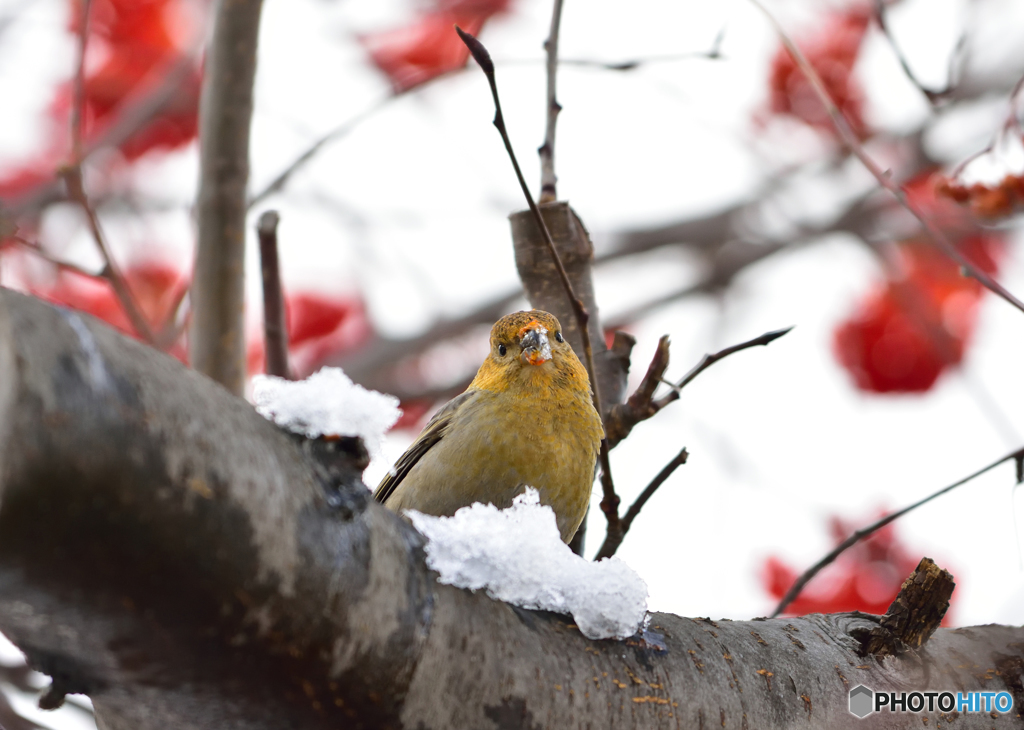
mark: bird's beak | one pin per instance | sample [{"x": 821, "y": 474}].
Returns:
[{"x": 533, "y": 339}]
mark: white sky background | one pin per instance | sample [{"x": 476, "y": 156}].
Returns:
[{"x": 410, "y": 209}]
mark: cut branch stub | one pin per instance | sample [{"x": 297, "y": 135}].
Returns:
[
  {"x": 545, "y": 291},
  {"x": 915, "y": 613}
]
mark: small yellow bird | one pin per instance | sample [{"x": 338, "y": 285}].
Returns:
[{"x": 527, "y": 419}]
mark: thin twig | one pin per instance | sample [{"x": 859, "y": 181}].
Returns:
[
  {"x": 72, "y": 175},
  {"x": 1011, "y": 126},
  {"x": 631, "y": 64},
  {"x": 612, "y": 542},
  {"x": 174, "y": 324},
  {"x": 275, "y": 332},
  {"x": 547, "y": 150},
  {"x": 42, "y": 253},
  {"x": 78, "y": 99},
  {"x": 933, "y": 96},
  {"x": 884, "y": 179},
  {"x": 338, "y": 132},
  {"x": 111, "y": 271},
  {"x": 709, "y": 360},
  {"x": 794, "y": 591},
  {"x": 610, "y": 501}
]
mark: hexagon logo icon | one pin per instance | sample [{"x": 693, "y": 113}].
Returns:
[{"x": 861, "y": 701}]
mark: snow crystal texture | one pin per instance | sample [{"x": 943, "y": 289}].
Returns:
[
  {"x": 326, "y": 403},
  {"x": 517, "y": 556}
]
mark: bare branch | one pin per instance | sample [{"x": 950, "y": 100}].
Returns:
[
  {"x": 794, "y": 591},
  {"x": 884, "y": 179},
  {"x": 343, "y": 129},
  {"x": 548, "y": 179},
  {"x": 640, "y": 405},
  {"x": 72, "y": 175},
  {"x": 612, "y": 541},
  {"x": 934, "y": 96},
  {"x": 42, "y": 253},
  {"x": 111, "y": 271},
  {"x": 78, "y": 93},
  {"x": 712, "y": 54},
  {"x": 709, "y": 360},
  {"x": 217, "y": 337},
  {"x": 275, "y": 331}
]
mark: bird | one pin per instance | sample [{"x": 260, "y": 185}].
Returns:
[{"x": 527, "y": 419}]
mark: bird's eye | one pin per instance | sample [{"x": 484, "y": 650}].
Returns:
[
  {"x": 502, "y": 350},
  {"x": 558, "y": 336}
]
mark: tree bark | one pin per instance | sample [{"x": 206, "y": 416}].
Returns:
[
  {"x": 217, "y": 336},
  {"x": 176, "y": 557},
  {"x": 544, "y": 289}
]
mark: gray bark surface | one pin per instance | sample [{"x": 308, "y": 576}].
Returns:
[{"x": 176, "y": 557}]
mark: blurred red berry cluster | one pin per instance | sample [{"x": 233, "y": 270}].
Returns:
[
  {"x": 832, "y": 52},
  {"x": 866, "y": 577},
  {"x": 915, "y": 325},
  {"x": 429, "y": 47},
  {"x": 986, "y": 201},
  {"x": 132, "y": 45},
  {"x": 318, "y": 326}
]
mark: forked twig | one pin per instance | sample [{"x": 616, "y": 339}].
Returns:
[
  {"x": 794, "y": 591},
  {"x": 72, "y": 175},
  {"x": 111, "y": 271},
  {"x": 610, "y": 502},
  {"x": 884, "y": 179}
]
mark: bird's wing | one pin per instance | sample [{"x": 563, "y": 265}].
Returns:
[{"x": 434, "y": 432}]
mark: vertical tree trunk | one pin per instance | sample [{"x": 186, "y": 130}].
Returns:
[{"x": 216, "y": 339}]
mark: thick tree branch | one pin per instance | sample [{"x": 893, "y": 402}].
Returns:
[
  {"x": 170, "y": 553},
  {"x": 217, "y": 337}
]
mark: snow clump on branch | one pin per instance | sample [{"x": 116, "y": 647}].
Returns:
[
  {"x": 518, "y": 557},
  {"x": 327, "y": 403}
]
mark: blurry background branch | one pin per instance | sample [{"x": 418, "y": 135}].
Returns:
[{"x": 217, "y": 336}]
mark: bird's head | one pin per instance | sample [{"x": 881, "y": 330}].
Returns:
[{"x": 527, "y": 349}]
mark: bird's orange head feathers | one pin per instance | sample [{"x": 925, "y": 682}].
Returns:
[{"x": 528, "y": 351}]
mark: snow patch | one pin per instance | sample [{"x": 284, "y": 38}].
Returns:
[
  {"x": 327, "y": 403},
  {"x": 517, "y": 556}
]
